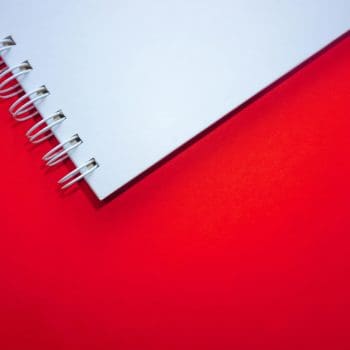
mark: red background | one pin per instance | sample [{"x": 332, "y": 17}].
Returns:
[{"x": 240, "y": 241}]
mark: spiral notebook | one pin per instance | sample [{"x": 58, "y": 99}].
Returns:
[{"x": 122, "y": 84}]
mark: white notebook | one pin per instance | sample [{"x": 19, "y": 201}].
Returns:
[{"x": 137, "y": 79}]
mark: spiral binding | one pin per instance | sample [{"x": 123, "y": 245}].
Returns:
[
  {"x": 15, "y": 72},
  {"x": 24, "y": 108},
  {"x": 59, "y": 153},
  {"x": 73, "y": 177},
  {"x": 45, "y": 132}
]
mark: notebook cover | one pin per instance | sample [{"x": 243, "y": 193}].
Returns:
[{"x": 138, "y": 79}]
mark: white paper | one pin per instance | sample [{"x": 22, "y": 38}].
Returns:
[{"x": 139, "y": 78}]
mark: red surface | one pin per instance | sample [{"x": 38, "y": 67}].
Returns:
[{"x": 241, "y": 241}]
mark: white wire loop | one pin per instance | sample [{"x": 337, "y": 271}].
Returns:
[
  {"x": 28, "y": 109},
  {"x": 59, "y": 153},
  {"x": 25, "y": 108},
  {"x": 36, "y": 136},
  {"x": 78, "y": 173},
  {"x": 6, "y": 43},
  {"x": 15, "y": 71}
]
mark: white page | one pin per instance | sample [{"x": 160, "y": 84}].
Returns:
[{"x": 139, "y": 78}]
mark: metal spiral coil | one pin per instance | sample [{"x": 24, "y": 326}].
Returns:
[
  {"x": 25, "y": 108},
  {"x": 36, "y": 136},
  {"x": 78, "y": 173},
  {"x": 11, "y": 75},
  {"x": 61, "y": 152}
]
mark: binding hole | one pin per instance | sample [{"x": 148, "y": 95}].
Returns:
[{"x": 6, "y": 43}]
